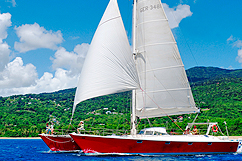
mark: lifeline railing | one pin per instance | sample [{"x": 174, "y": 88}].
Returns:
[
  {"x": 105, "y": 132},
  {"x": 92, "y": 131}
]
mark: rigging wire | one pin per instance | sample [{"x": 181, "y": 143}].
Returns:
[
  {"x": 195, "y": 118},
  {"x": 149, "y": 122},
  {"x": 184, "y": 38}
]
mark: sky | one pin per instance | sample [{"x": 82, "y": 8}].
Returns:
[{"x": 43, "y": 44}]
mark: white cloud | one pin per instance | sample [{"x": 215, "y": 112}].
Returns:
[
  {"x": 5, "y": 22},
  {"x": 236, "y": 43},
  {"x": 17, "y": 75},
  {"x": 230, "y": 67},
  {"x": 82, "y": 49},
  {"x": 33, "y": 37},
  {"x": 231, "y": 38},
  {"x": 13, "y": 2},
  {"x": 4, "y": 56},
  {"x": 239, "y": 57},
  {"x": 72, "y": 61},
  {"x": 19, "y": 79},
  {"x": 61, "y": 80},
  {"x": 176, "y": 14},
  {"x": 47, "y": 83}
]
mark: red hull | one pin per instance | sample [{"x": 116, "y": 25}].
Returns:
[
  {"x": 100, "y": 144},
  {"x": 59, "y": 142}
]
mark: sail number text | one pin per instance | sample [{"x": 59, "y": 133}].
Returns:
[{"x": 151, "y": 7}]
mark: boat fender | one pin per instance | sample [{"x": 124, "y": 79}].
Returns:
[{"x": 215, "y": 128}]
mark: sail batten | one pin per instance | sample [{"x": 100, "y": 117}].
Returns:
[
  {"x": 152, "y": 21},
  {"x": 109, "y": 20},
  {"x": 151, "y": 70},
  {"x": 164, "y": 43},
  {"x": 165, "y": 90}
]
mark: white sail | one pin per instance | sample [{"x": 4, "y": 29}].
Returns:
[
  {"x": 165, "y": 89},
  {"x": 109, "y": 66}
]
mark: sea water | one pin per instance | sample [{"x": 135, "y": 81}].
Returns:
[{"x": 36, "y": 149}]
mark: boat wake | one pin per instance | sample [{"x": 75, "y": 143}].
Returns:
[
  {"x": 131, "y": 154},
  {"x": 146, "y": 155},
  {"x": 57, "y": 152}
]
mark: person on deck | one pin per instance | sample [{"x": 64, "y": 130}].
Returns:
[
  {"x": 48, "y": 128},
  {"x": 187, "y": 131},
  {"x": 52, "y": 128},
  {"x": 81, "y": 127},
  {"x": 195, "y": 131}
]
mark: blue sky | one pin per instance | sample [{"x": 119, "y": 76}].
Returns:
[{"x": 43, "y": 43}]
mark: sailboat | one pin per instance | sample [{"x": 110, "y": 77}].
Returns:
[{"x": 154, "y": 72}]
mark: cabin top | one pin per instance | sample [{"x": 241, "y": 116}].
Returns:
[{"x": 154, "y": 131}]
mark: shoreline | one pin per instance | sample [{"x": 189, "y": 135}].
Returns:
[
  {"x": 20, "y": 137},
  {"x": 230, "y": 137}
]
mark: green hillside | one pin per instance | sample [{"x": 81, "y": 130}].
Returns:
[
  {"x": 216, "y": 91},
  {"x": 197, "y": 74}
]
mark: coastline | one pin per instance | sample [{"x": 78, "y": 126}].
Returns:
[{"x": 20, "y": 137}]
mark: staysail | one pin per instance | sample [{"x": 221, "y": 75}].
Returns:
[
  {"x": 165, "y": 89},
  {"x": 109, "y": 66}
]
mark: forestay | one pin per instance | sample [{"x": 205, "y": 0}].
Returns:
[
  {"x": 109, "y": 66},
  {"x": 165, "y": 89}
]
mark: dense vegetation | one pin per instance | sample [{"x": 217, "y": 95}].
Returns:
[{"x": 216, "y": 91}]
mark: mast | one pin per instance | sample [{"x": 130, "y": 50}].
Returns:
[{"x": 133, "y": 115}]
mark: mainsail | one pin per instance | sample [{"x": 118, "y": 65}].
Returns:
[
  {"x": 165, "y": 89},
  {"x": 109, "y": 66}
]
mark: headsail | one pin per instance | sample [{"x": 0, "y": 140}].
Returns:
[
  {"x": 109, "y": 66},
  {"x": 165, "y": 87}
]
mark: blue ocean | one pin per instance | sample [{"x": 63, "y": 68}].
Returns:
[{"x": 36, "y": 149}]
